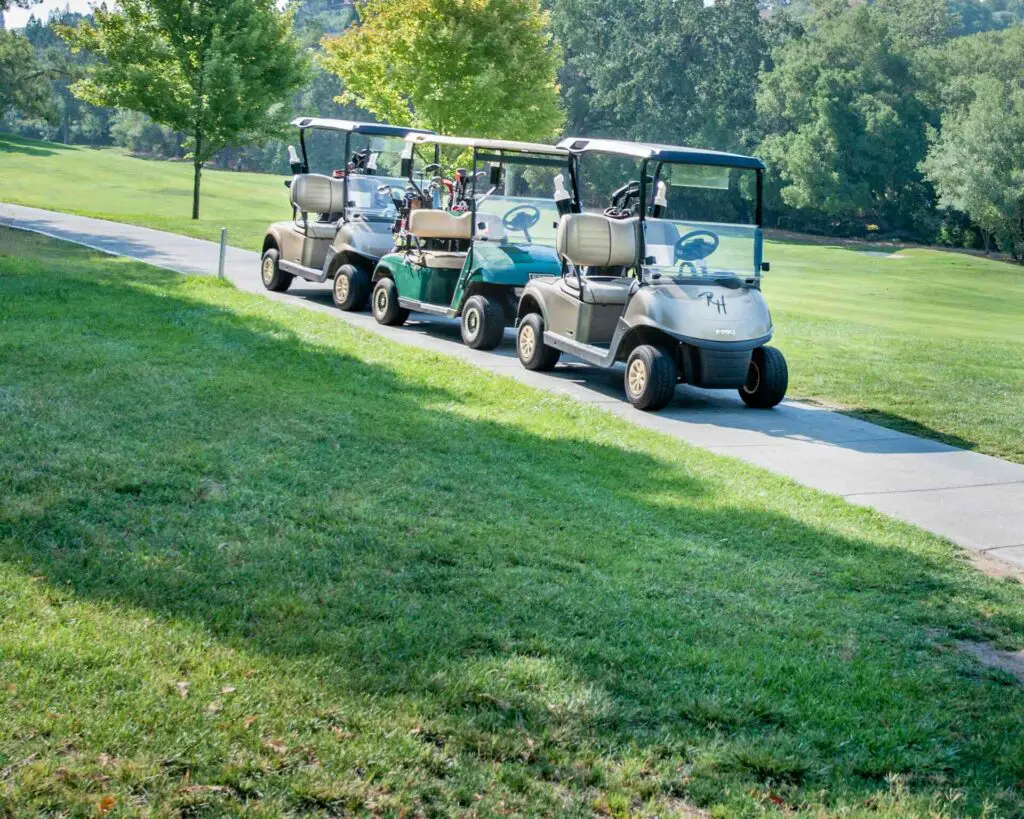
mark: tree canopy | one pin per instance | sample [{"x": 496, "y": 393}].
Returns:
[
  {"x": 220, "y": 71},
  {"x": 476, "y": 67},
  {"x": 24, "y": 81}
]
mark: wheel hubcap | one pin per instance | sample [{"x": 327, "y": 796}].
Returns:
[
  {"x": 268, "y": 270},
  {"x": 382, "y": 301},
  {"x": 753, "y": 378},
  {"x": 341, "y": 287},
  {"x": 637, "y": 377},
  {"x": 472, "y": 320},
  {"x": 527, "y": 341}
]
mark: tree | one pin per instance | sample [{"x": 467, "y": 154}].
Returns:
[
  {"x": 845, "y": 129},
  {"x": 478, "y": 67},
  {"x": 24, "y": 83},
  {"x": 661, "y": 70},
  {"x": 977, "y": 161},
  {"x": 220, "y": 71}
]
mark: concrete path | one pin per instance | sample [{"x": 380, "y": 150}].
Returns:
[{"x": 975, "y": 500}]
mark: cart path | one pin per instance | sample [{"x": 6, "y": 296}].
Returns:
[{"x": 974, "y": 500}]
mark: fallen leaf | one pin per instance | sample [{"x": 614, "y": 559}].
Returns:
[
  {"x": 182, "y": 689},
  {"x": 249, "y": 721},
  {"x": 276, "y": 746},
  {"x": 214, "y": 707},
  {"x": 107, "y": 804},
  {"x": 106, "y": 759},
  {"x": 228, "y": 689}
]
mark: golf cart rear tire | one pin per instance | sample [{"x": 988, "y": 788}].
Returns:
[
  {"x": 767, "y": 379},
  {"x": 650, "y": 378},
  {"x": 350, "y": 288},
  {"x": 274, "y": 278},
  {"x": 533, "y": 353},
  {"x": 483, "y": 323},
  {"x": 384, "y": 302}
]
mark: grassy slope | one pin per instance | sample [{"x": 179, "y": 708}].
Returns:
[
  {"x": 930, "y": 343},
  {"x": 253, "y": 559}
]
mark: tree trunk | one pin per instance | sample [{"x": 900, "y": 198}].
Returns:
[{"x": 197, "y": 165}]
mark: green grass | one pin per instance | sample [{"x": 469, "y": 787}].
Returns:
[
  {"x": 108, "y": 183},
  {"x": 931, "y": 343},
  {"x": 256, "y": 561}
]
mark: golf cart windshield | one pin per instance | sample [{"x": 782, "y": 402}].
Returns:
[
  {"x": 702, "y": 223},
  {"x": 370, "y": 162},
  {"x": 514, "y": 190}
]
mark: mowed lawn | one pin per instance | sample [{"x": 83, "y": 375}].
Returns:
[
  {"x": 926, "y": 341},
  {"x": 256, "y": 561}
]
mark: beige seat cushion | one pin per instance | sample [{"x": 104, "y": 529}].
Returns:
[
  {"x": 318, "y": 230},
  {"x": 315, "y": 193},
  {"x": 606, "y": 291},
  {"x": 440, "y": 224},
  {"x": 442, "y": 259},
  {"x": 594, "y": 239}
]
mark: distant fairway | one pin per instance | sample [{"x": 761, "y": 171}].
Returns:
[{"x": 927, "y": 341}]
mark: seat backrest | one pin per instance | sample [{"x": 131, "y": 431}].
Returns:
[
  {"x": 315, "y": 193},
  {"x": 593, "y": 239},
  {"x": 440, "y": 224}
]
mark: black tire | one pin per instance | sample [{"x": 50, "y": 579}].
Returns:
[
  {"x": 483, "y": 323},
  {"x": 767, "y": 379},
  {"x": 351, "y": 287},
  {"x": 385, "y": 306},
  {"x": 530, "y": 347},
  {"x": 274, "y": 278},
  {"x": 650, "y": 378}
]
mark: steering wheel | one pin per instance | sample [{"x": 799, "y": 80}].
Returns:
[
  {"x": 695, "y": 245},
  {"x": 521, "y": 217}
]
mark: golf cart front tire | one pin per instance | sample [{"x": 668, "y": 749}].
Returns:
[
  {"x": 767, "y": 379},
  {"x": 351, "y": 287},
  {"x": 274, "y": 278},
  {"x": 533, "y": 353},
  {"x": 650, "y": 377},
  {"x": 483, "y": 323},
  {"x": 385, "y": 306}
]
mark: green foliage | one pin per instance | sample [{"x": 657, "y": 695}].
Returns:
[
  {"x": 217, "y": 70},
  {"x": 661, "y": 70},
  {"x": 977, "y": 161},
  {"x": 471, "y": 67},
  {"x": 845, "y": 130},
  {"x": 24, "y": 84}
]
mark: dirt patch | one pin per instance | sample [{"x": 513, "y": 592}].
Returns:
[{"x": 1012, "y": 662}]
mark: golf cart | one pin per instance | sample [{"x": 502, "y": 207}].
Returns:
[
  {"x": 666, "y": 277},
  {"x": 474, "y": 237},
  {"x": 341, "y": 221}
]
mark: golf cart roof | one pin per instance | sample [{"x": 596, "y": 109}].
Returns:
[
  {"x": 486, "y": 144},
  {"x": 661, "y": 153},
  {"x": 372, "y": 128}
]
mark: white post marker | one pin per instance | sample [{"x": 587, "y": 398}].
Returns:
[{"x": 223, "y": 248}]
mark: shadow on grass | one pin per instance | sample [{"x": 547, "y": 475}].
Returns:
[
  {"x": 17, "y": 145},
  {"x": 909, "y": 426},
  {"x": 445, "y": 541}
]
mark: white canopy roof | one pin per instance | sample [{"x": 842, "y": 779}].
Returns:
[{"x": 486, "y": 144}]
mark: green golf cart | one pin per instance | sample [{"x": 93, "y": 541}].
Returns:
[{"x": 474, "y": 236}]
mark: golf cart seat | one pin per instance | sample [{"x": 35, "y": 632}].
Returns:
[
  {"x": 594, "y": 240},
  {"x": 440, "y": 224},
  {"x": 315, "y": 193},
  {"x": 606, "y": 289}
]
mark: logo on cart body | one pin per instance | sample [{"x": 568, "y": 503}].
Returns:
[
  {"x": 725, "y": 331},
  {"x": 719, "y": 302}
]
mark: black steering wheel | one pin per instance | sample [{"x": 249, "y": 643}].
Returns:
[
  {"x": 695, "y": 245},
  {"x": 521, "y": 217}
]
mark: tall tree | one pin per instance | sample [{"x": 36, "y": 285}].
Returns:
[
  {"x": 479, "y": 67},
  {"x": 24, "y": 81},
  {"x": 661, "y": 70},
  {"x": 220, "y": 71},
  {"x": 845, "y": 129}
]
